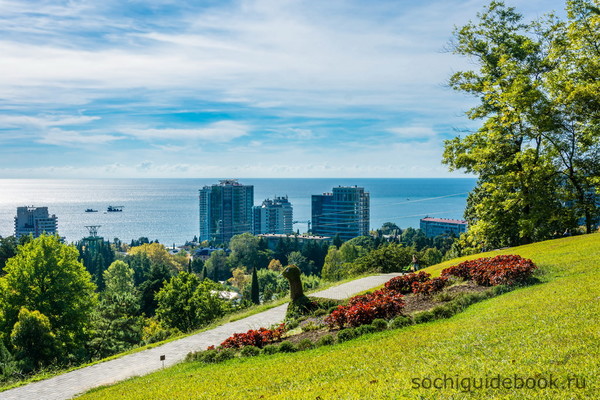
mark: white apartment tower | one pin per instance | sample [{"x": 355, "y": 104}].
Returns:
[{"x": 274, "y": 216}]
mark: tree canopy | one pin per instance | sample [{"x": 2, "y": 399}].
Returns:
[
  {"x": 536, "y": 152},
  {"x": 46, "y": 276}
]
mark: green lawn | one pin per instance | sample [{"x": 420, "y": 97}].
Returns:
[{"x": 549, "y": 331}]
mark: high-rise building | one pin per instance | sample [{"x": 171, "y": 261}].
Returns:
[
  {"x": 225, "y": 210},
  {"x": 274, "y": 216},
  {"x": 343, "y": 212},
  {"x": 35, "y": 221}
]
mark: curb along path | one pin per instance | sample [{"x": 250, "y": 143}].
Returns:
[{"x": 68, "y": 385}]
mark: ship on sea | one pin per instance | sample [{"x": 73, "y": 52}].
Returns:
[
  {"x": 90, "y": 210},
  {"x": 114, "y": 209}
]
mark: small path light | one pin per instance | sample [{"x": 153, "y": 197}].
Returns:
[{"x": 162, "y": 358}]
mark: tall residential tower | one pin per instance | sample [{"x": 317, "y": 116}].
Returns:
[
  {"x": 225, "y": 210},
  {"x": 343, "y": 212}
]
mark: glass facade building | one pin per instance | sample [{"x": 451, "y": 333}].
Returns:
[
  {"x": 343, "y": 212},
  {"x": 225, "y": 210}
]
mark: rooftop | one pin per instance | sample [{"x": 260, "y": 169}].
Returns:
[{"x": 445, "y": 220}]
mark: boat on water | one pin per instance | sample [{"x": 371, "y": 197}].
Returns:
[
  {"x": 90, "y": 210},
  {"x": 114, "y": 209}
]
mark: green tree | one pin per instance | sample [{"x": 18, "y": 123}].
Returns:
[
  {"x": 158, "y": 275},
  {"x": 34, "y": 342},
  {"x": 8, "y": 249},
  {"x": 296, "y": 258},
  {"x": 430, "y": 256},
  {"x": 515, "y": 199},
  {"x": 247, "y": 251},
  {"x": 272, "y": 284},
  {"x": 46, "y": 276},
  {"x": 573, "y": 88},
  {"x": 197, "y": 265},
  {"x": 117, "y": 323},
  {"x": 217, "y": 266},
  {"x": 388, "y": 258},
  {"x": 186, "y": 303},
  {"x": 8, "y": 364},
  {"x": 255, "y": 291},
  {"x": 366, "y": 242},
  {"x": 333, "y": 269}
]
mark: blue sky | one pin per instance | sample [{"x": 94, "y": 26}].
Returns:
[{"x": 264, "y": 88}]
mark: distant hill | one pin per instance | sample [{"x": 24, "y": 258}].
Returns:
[{"x": 543, "y": 334}]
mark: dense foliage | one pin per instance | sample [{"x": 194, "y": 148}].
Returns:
[
  {"x": 186, "y": 303},
  {"x": 48, "y": 291},
  {"x": 536, "y": 152}
]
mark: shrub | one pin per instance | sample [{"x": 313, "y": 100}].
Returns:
[
  {"x": 400, "y": 322},
  {"x": 326, "y": 340},
  {"x": 379, "y": 324},
  {"x": 207, "y": 356},
  {"x": 250, "y": 351},
  {"x": 444, "y": 296},
  {"x": 429, "y": 287},
  {"x": 310, "y": 326},
  {"x": 258, "y": 338},
  {"x": 332, "y": 309},
  {"x": 191, "y": 356},
  {"x": 224, "y": 355},
  {"x": 337, "y": 317},
  {"x": 346, "y": 334},
  {"x": 365, "y": 329},
  {"x": 320, "y": 312},
  {"x": 444, "y": 311},
  {"x": 305, "y": 344},
  {"x": 359, "y": 314},
  {"x": 423, "y": 316},
  {"x": 499, "y": 270},
  {"x": 292, "y": 324},
  {"x": 403, "y": 284},
  {"x": 287, "y": 347},
  {"x": 365, "y": 308},
  {"x": 270, "y": 349}
]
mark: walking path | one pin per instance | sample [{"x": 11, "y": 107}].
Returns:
[{"x": 68, "y": 385}]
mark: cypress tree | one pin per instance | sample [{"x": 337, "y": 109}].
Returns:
[{"x": 254, "y": 293}]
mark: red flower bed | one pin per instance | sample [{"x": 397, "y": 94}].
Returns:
[
  {"x": 258, "y": 338},
  {"x": 364, "y": 309},
  {"x": 403, "y": 284},
  {"x": 429, "y": 287},
  {"x": 499, "y": 270}
]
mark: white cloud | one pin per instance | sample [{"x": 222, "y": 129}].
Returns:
[
  {"x": 44, "y": 121},
  {"x": 413, "y": 132},
  {"x": 221, "y": 131},
  {"x": 60, "y": 137}
]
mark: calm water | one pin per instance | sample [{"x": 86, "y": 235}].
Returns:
[{"x": 167, "y": 209}]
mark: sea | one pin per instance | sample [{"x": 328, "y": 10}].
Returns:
[{"x": 167, "y": 209}]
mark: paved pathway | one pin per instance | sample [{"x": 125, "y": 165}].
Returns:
[{"x": 68, "y": 385}]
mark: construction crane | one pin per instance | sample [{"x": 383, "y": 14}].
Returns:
[{"x": 302, "y": 222}]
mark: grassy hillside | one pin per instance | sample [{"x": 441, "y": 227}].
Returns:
[{"x": 546, "y": 332}]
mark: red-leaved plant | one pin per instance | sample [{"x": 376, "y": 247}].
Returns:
[
  {"x": 499, "y": 270},
  {"x": 365, "y": 308},
  {"x": 429, "y": 287},
  {"x": 403, "y": 284},
  {"x": 254, "y": 337}
]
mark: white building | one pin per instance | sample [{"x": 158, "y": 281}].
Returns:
[
  {"x": 274, "y": 216},
  {"x": 35, "y": 221}
]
